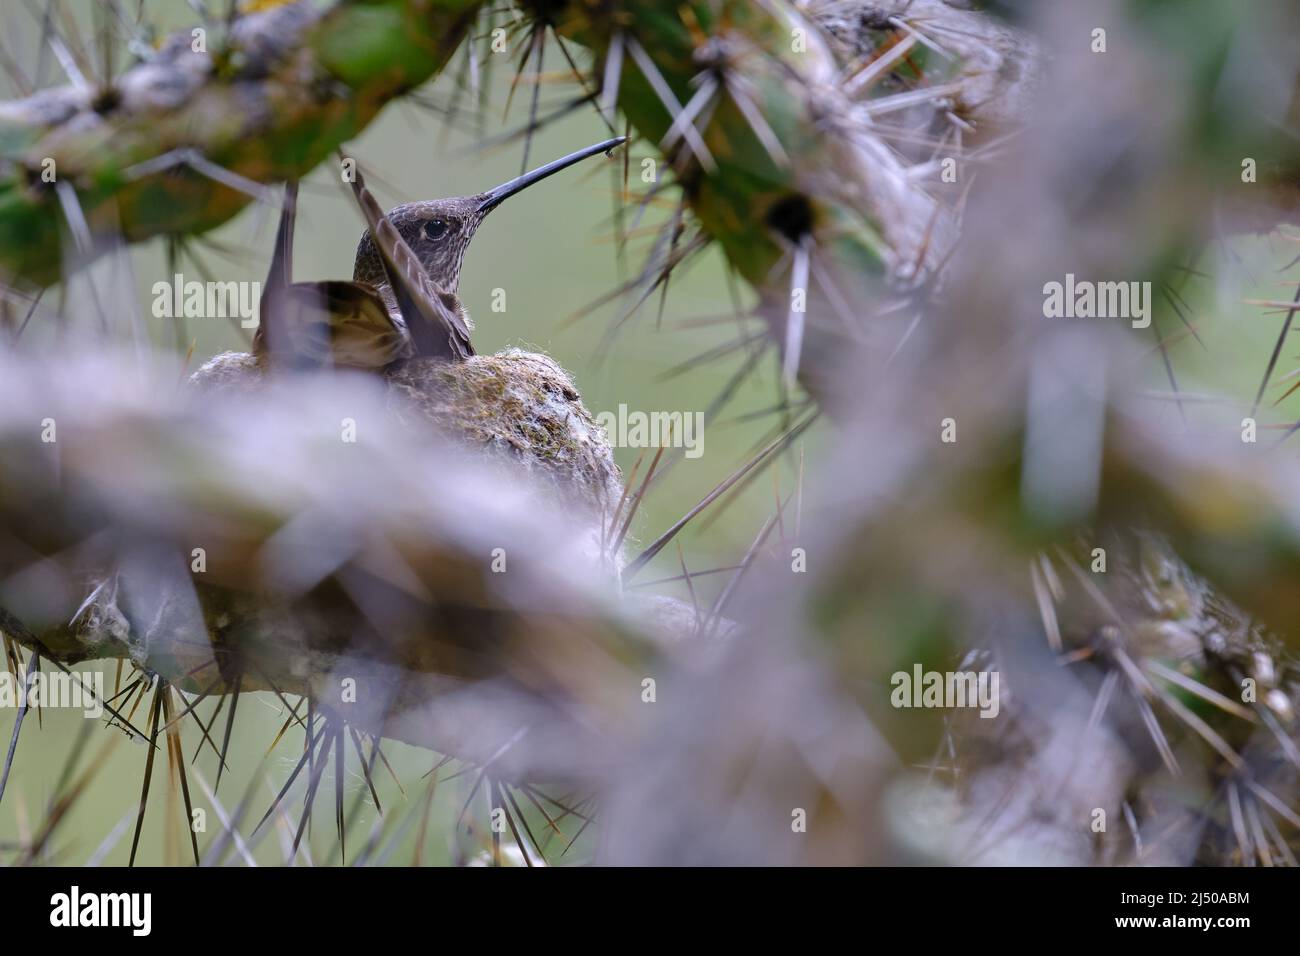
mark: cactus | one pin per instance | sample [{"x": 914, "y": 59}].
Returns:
[
  {"x": 895, "y": 181},
  {"x": 180, "y": 142}
]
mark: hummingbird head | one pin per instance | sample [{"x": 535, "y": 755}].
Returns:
[{"x": 439, "y": 230}]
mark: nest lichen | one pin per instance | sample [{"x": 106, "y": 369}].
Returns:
[
  {"x": 519, "y": 408},
  {"x": 524, "y": 410}
]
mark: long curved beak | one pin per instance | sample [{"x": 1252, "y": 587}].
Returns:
[{"x": 498, "y": 194}]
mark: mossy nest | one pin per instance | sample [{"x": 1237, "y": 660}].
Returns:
[{"x": 521, "y": 408}]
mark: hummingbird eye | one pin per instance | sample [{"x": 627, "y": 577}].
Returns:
[{"x": 435, "y": 228}]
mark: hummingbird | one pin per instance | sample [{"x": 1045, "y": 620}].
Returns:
[{"x": 401, "y": 302}]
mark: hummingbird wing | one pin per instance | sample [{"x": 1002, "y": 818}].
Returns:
[
  {"x": 317, "y": 324},
  {"x": 432, "y": 314},
  {"x": 271, "y": 329},
  {"x": 344, "y": 324}
]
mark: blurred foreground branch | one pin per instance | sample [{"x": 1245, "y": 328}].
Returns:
[{"x": 405, "y": 583}]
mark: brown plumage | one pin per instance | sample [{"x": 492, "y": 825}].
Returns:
[
  {"x": 313, "y": 324},
  {"x": 422, "y": 287},
  {"x": 402, "y": 299}
]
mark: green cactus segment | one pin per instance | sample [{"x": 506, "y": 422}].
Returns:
[
  {"x": 359, "y": 48},
  {"x": 290, "y": 86},
  {"x": 749, "y": 198}
]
